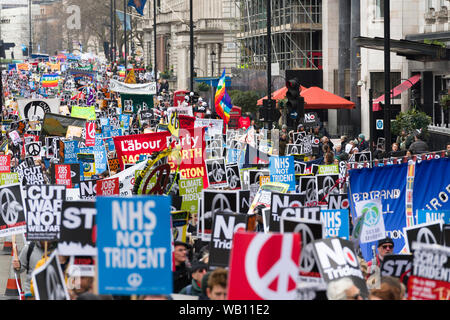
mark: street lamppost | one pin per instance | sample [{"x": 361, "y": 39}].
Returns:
[{"x": 213, "y": 56}]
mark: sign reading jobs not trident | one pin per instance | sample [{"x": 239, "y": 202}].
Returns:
[{"x": 134, "y": 246}]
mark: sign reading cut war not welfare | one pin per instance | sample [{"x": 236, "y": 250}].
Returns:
[{"x": 134, "y": 250}]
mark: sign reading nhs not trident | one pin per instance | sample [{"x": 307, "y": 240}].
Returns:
[
  {"x": 134, "y": 246},
  {"x": 282, "y": 169}
]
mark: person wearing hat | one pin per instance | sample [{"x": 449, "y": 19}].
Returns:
[
  {"x": 198, "y": 270},
  {"x": 362, "y": 143},
  {"x": 181, "y": 275},
  {"x": 385, "y": 247}
]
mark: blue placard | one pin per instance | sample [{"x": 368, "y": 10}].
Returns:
[
  {"x": 233, "y": 155},
  {"x": 134, "y": 245},
  {"x": 101, "y": 159},
  {"x": 425, "y": 216},
  {"x": 99, "y": 139},
  {"x": 336, "y": 223},
  {"x": 125, "y": 121},
  {"x": 110, "y": 143},
  {"x": 104, "y": 122},
  {"x": 70, "y": 151},
  {"x": 106, "y": 130},
  {"x": 282, "y": 170}
]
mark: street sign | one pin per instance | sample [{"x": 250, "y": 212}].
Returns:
[{"x": 380, "y": 124}]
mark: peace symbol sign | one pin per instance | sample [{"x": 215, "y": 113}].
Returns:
[
  {"x": 233, "y": 182},
  {"x": 135, "y": 279},
  {"x": 216, "y": 171},
  {"x": 160, "y": 185},
  {"x": 55, "y": 290},
  {"x": 426, "y": 236},
  {"x": 33, "y": 149},
  {"x": 297, "y": 168},
  {"x": 285, "y": 270},
  {"x": 9, "y": 207},
  {"x": 257, "y": 175},
  {"x": 220, "y": 203},
  {"x": 363, "y": 157},
  {"x": 328, "y": 184},
  {"x": 311, "y": 190},
  {"x": 372, "y": 215},
  {"x": 306, "y": 257}
]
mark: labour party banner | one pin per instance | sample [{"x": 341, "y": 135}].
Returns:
[
  {"x": 257, "y": 260},
  {"x": 12, "y": 218},
  {"x": 48, "y": 280},
  {"x": 134, "y": 249},
  {"x": 78, "y": 231},
  {"x": 282, "y": 170},
  {"x": 389, "y": 184}
]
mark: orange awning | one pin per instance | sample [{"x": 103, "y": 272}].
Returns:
[{"x": 315, "y": 98}]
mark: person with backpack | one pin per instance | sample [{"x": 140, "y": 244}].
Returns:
[{"x": 28, "y": 258}]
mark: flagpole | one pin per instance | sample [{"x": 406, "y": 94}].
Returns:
[
  {"x": 155, "y": 69},
  {"x": 125, "y": 33}
]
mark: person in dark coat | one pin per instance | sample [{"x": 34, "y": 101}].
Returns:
[
  {"x": 182, "y": 274},
  {"x": 418, "y": 146}
]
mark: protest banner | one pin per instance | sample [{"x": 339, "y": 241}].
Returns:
[
  {"x": 389, "y": 184},
  {"x": 398, "y": 266},
  {"x": 213, "y": 126},
  {"x": 87, "y": 165},
  {"x": 127, "y": 178},
  {"x": 224, "y": 227},
  {"x": 8, "y": 178},
  {"x": 326, "y": 185},
  {"x": 78, "y": 229},
  {"x": 216, "y": 173},
  {"x": 48, "y": 280},
  {"x": 33, "y": 109},
  {"x": 71, "y": 148},
  {"x": 426, "y": 216},
  {"x": 32, "y": 175},
  {"x": 308, "y": 187},
  {"x": 338, "y": 201},
  {"x": 282, "y": 170},
  {"x": 430, "y": 279},
  {"x": 90, "y": 134},
  {"x": 88, "y": 189},
  {"x": 134, "y": 250},
  {"x": 33, "y": 149},
  {"x": 215, "y": 201},
  {"x": 129, "y": 148},
  {"x": 81, "y": 266},
  {"x": 190, "y": 190},
  {"x": 63, "y": 175},
  {"x": 336, "y": 223},
  {"x": 336, "y": 259},
  {"x": 87, "y": 113},
  {"x": 428, "y": 233},
  {"x": 282, "y": 200},
  {"x": 108, "y": 187},
  {"x": 43, "y": 205},
  {"x": 372, "y": 221},
  {"x": 180, "y": 219},
  {"x": 12, "y": 219},
  {"x": 62, "y": 126},
  {"x": 5, "y": 163},
  {"x": 135, "y": 89},
  {"x": 257, "y": 260},
  {"x": 233, "y": 176}
]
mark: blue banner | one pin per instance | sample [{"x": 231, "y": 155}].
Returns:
[
  {"x": 70, "y": 151},
  {"x": 282, "y": 170},
  {"x": 432, "y": 185},
  {"x": 425, "y": 216},
  {"x": 336, "y": 223},
  {"x": 389, "y": 184},
  {"x": 233, "y": 155},
  {"x": 125, "y": 121},
  {"x": 101, "y": 159},
  {"x": 134, "y": 245}
]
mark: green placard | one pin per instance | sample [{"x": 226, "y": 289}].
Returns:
[
  {"x": 9, "y": 178},
  {"x": 87, "y": 113},
  {"x": 137, "y": 99},
  {"x": 190, "y": 191},
  {"x": 329, "y": 169}
]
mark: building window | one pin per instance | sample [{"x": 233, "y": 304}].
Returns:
[
  {"x": 379, "y": 9},
  {"x": 377, "y": 82}
]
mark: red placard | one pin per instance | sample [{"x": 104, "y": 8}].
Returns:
[
  {"x": 90, "y": 133},
  {"x": 63, "y": 175},
  {"x": 186, "y": 122},
  {"x": 426, "y": 289},
  {"x": 5, "y": 163},
  {"x": 108, "y": 187},
  {"x": 264, "y": 266}
]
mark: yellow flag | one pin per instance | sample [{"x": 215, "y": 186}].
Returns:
[{"x": 130, "y": 78}]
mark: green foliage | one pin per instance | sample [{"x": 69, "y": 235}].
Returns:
[
  {"x": 445, "y": 101},
  {"x": 436, "y": 43},
  {"x": 410, "y": 120},
  {"x": 245, "y": 99},
  {"x": 203, "y": 86}
]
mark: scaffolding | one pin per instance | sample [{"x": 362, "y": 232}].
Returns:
[{"x": 296, "y": 34}]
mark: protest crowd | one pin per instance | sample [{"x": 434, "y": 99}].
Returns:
[{"x": 123, "y": 188}]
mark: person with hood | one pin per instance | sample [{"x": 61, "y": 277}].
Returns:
[{"x": 362, "y": 143}]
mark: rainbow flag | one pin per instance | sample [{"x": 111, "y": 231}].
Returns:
[
  {"x": 222, "y": 100},
  {"x": 49, "y": 80}
]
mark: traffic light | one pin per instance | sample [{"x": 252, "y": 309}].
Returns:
[{"x": 295, "y": 104}]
